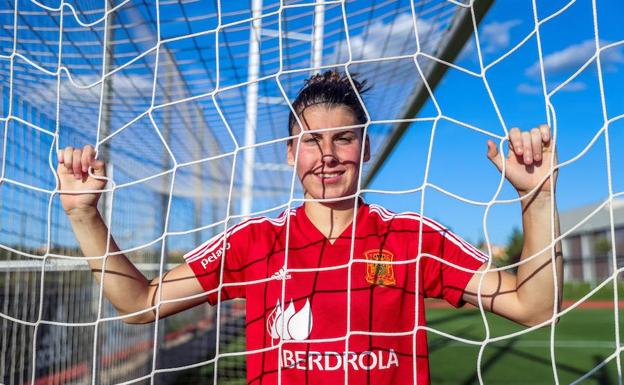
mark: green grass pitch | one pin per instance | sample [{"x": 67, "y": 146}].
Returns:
[{"x": 583, "y": 339}]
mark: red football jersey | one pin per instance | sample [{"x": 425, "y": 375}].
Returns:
[{"x": 324, "y": 313}]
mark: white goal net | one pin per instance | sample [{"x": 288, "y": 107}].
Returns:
[{"x": 188, "y": 103}]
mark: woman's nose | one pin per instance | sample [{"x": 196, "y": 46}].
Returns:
[
  {"x": 329, "y": 160},
  {"x": 327, "y": 148},
  {"x": 328, "y": 153}
]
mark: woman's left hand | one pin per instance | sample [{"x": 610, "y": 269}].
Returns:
[{"x": 529, "y": 160}]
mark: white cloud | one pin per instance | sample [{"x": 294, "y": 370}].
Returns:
[
  {"x": 496, "y": 35},
  {"x": 574, "y": 87},
  {"x": 530, "y": 89},
  {"x": 535, "y": 89},
  {"x": 573, "y": 57},
  {"x": 391, "y": 39}
]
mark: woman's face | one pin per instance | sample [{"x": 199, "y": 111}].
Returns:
[{"x": 328, "y": 163}]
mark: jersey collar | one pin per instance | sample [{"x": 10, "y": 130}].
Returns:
[{"x": 313, "y": 233}]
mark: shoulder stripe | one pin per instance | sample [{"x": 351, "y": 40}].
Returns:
[
  {"x": 458, "y": 241},
  {"x": 469, "y": 249},
  {"x": 210, "y": 245}
]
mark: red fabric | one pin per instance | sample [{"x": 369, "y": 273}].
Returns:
[{"x": 312, "y": 303}]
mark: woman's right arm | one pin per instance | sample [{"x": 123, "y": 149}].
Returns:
[{"x": 124, "y": 285}]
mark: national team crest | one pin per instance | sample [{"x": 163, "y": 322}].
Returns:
[{"x": 379, "y": 273}]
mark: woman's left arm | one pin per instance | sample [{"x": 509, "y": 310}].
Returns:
[{"x": 528, "y": 297}]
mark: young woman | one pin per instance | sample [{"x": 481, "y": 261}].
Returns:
[{"x": 329, "y": 298}]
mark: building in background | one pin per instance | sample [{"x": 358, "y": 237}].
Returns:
[{"x": 587, "y": 249}]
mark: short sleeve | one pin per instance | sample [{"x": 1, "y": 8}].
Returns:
[
  {"x": 206, "y": 260},
  {"x": 441, "y": 280}
]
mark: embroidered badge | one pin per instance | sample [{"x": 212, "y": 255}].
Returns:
[{"x": 379, "y": 273}]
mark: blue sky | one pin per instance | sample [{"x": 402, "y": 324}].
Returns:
[{"x": 458, "y": 162}]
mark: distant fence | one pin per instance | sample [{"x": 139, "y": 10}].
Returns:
[{"x": 52, "y": 333}]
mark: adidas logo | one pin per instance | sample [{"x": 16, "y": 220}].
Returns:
[{"x": 281, "y": 275}]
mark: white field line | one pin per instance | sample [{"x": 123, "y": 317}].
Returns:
[{"x": 570, "y": 344}]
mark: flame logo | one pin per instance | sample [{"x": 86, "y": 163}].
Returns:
[{"x": 290, "y": 324}]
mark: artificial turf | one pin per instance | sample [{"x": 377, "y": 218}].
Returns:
[{"x": 583, "y": 339}]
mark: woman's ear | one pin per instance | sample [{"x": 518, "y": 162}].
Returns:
[
  {"x": 290, "y": 153},
  {"x": 366, "y": 149}
]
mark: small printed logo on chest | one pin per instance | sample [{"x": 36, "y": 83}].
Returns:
[
  {"x": 379, "y": 273},
  {"x": 281, "y": 275}
]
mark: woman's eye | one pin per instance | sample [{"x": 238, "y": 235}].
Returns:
[
  {"x": 344, "y": 139},
  {"x": 310, "y": 140}
]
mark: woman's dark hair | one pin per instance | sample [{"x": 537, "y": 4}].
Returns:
[{"x": 331, "y": 89}]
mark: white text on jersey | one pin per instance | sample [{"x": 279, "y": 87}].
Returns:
[
  {"x": 214, "y": 255},
  {"x": 309, "y": 360}
]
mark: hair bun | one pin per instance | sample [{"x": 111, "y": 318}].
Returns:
[
  {"x": 330, "y": 88},
  {"x": 337, "y": 78}
]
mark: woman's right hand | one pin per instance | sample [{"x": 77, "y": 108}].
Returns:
[{"x": 73, "y": 173}]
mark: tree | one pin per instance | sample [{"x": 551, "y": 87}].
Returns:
[
  {"x": 602, "y": 246},
  {"x": 514, "y": 245}
]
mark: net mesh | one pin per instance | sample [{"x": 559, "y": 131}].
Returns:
[{"x": 165, "y": 91}]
